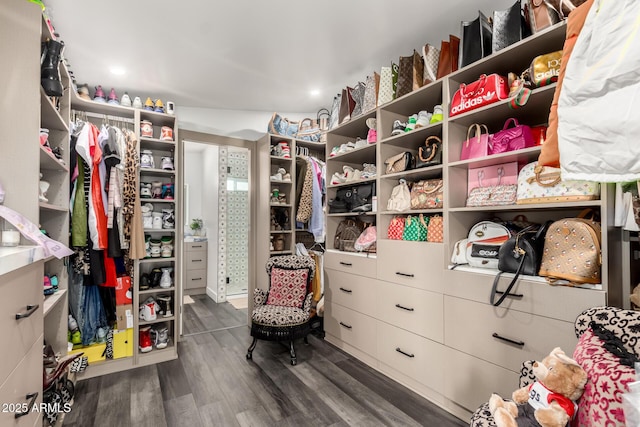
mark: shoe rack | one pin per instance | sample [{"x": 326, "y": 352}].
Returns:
[{"x": 161, "y": 179}]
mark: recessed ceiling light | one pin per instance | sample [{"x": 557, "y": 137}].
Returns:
[
  {"x": 314, "y": 92},
  {"x": 118, "y": 71}
]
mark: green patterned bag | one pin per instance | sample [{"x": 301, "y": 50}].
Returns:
[{"x": 415, "y": 229}]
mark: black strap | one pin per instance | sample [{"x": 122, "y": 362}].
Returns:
[
  {"x": 494, "y": 288},
  {"x": 614, "y": 345}
]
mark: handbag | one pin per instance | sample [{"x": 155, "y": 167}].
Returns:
[
  {"x": 346, "y": 234},
  {"x": 370, "y": 100},
  {"x": 308, "y": 130},
  {"x": 335, "y": 111},
  {"x": 511, "y": 139},
  {"x": 396, "y": 228},
  {"x": 484, "y": 241},
  {"x": 400, "y": 162},
  {"x": 435, "y": 229},
  {"x": 572, "y": 250},
  {"x": 415, "y": 229},
  {"x": 362, "y": 197},
  {"x": 400, "y": 199},
  {"x": 346, "y": 105},
  {"x": 279, "y": 125},
  {"x": 521, "y": 254},
  {"x": 429, "y": 154},
  {"x": 394, "y": 79},
  {"x": 544, "y": 184},
  {"x": 410, "y": 74},
  {"x": 430, "y": 57},
  {"x": 509, "y": 27},
  {"x": 484, "y": 91},
  {"x": 449, "y": 56},
  {"x": 478, "y": 145},
  {"x": 565, "y": 7},
  {"x": 357, "y": 93},
  {"x": 385, "y": 91},
  {"x": 366, "y": 240},
  {"x": 497, "y": 195},
  {"x": 476, "y": 39},
  {"x": 459, "y": 254},
  {"x": 427, "y": 194},
  {"x": 323, "y": 117},
  {"x": 544, "y": 69},
  {"x": 539, "y": 15}
]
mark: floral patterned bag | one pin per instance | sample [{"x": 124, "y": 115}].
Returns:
[{"x": 427, "y": 194}]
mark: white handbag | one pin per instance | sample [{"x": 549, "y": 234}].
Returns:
[
  {"x": 484, "y": 241},
  {"x": 400, "y": 199},
  {"x": 459, "y": 253},
  {"x": 385, "y": 90},
  {"x": 545, "y": 185}
]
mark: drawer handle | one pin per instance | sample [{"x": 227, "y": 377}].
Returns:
[
  {"x": 32, "y": 400},
  {"x": 405, "y": 353},
  {"x": 519, "y": 343},
  {"x": 346, "y": 290},
  {"x": 345, "y": 325},
  {"x": 199, "y": 278},
  {"x": 511, "y": 294},
  {"x": 404, "y": 274},
  {"x": 404, "y": 308},
  {"x": 30, "y": 310},
  {"x": 346, "y": 264},
  {"x": 196, "y": 260},
  {"x": 194, "y": 246}
]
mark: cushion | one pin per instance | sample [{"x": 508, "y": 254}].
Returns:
[
  {"x": 273, "y": 315},
  {"x": 601, "y": 403},
  {"x": 288, "y": 287}
]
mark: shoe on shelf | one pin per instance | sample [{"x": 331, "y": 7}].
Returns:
[
  {"x": 167, "y": 191},
  {"x": 372, "y": 134},
  {"x": 156, "y": 221},
  {"x": 156, "y": 190},
  {"x": 147, "y": 248},
  {"x": 278, "y": 175},
  {"x": 369, "y": 171},
  {"x": 159, "y": 107},
  {"x": 338, "y": 178},
  {"x": 165, "y": 302},
  {"x": 168, "y": 219},
  {"x": 99, "y": 95},
  {"x": 160, "y": 337},
  {"x": 144, "y": 339},
  {"x": 165, "y": 279},
  {"x": 360, "y": 143},
  {"x": 437, "y": 114},
  {"x": 147, "y": 219},
  {"x": 83, "y": 92},
  {"x": 137, "y": 103},
  {"x": 125, "y": 101},
  {"x": 155, "y": 248},
  {"x": 145, "y": 190},
  {"x": 282, "y": 198},
  {"x": 113, "y": 98},
  {"x": 286, "y": 177},
  {"x": 344, "y": 148},
  {"x": 423, "y": 119},
  {"x": 285, "y": 151},
  {"x": 155, "y": 277},
  {"x": 148, "y": 104},
  {"x": 411, "y": 123},
  {"x": 334, "y": 151},
  {"x": 355, "y": 175},
  {"x": 144, "y": 282},
  {"x": 398, "y": 128},
  {"x": 146, "y": 159},
  {"x": 167, "y": 163},
  {"x": 167, "y": 246},
  {"x": 166, "y": 133}
]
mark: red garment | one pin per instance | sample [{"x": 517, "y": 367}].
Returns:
[
  {"x": 567, "y": 404},
  {"x": 96, "y": 188}
]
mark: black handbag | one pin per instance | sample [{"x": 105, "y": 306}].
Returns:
[
  {"x": 362, "y": 197},
  {"x": 521, "y": 254},
  {"x": 476, "y": 39},
  {"x": 429, "y": 154},
  {"x": 509, "y": 27}
]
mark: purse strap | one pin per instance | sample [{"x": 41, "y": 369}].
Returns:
[
  {"x": 421, "y": 217},
  {"x": 509, "y": 121},
  {"x": 478, "y": 128},
  {"x": 323, "y": 112},
  {"x": 538, "y": 177},
  {"x": 494, "y": 288},
  {"x": 479, "y": 89}
]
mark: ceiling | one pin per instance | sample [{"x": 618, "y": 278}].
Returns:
[{"x": 248, "y": 54}]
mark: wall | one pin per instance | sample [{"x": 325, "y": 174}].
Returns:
[{"x": 193, "y": 178}]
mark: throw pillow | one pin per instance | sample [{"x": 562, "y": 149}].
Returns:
[
  {"x": 288, "y": 287},
  {"x": 601, "y": 402}
]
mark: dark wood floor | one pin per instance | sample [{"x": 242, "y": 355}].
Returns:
[
  {"x": 205, "y": 315},
  {"x": 212, "y": 384}
]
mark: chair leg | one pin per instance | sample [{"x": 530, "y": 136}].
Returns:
[
  {"x": 251, "y": 347},
  {"x": 294, "y": 361}
]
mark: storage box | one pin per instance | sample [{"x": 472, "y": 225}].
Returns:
[
  {"x": 123, "y": 343},
  {"x": 94, "y": 352},
  {"x": 490, "y": 176},
  {"x": 124, "y": 292},
  {"x": 124, "y": 316}
]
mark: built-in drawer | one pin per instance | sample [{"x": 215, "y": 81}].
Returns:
[
  {"x": 470, "y": 381},
  {"x": 501, "y": 336},
  {"x": 351, "y": 291},
  {"x": 196, "y": 260},
  {"x": 21, "y": 292},
  {"x": 196, "y": 279},
  {"x": 17, "y": 390},
  {"x": 415, "y": 264},
  {"x": 534, "y": 294},
  {"x": 412, "y": 355},
  {"x": 351, "y": 327},
  {"x": 195, "y": 246},
  {"x": 360, "y": 264},
  {"x": 415, "y": 310}
]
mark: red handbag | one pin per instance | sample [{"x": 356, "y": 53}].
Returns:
[
  {"x": 484, "y": 91},
  {"x": 511, "y": 139},
  {"x": 396, "y": 228}
]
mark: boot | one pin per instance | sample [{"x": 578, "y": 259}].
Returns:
[
  {"x": 165, "y": 280},
  {"x": 167, "y": 247},
  {"x": 168, "y": 219},
  {"x": 49, "y": 71}
]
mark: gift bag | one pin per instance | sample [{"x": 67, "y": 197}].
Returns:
[
  {"x": 430, "y": 57},
  {"x": 346, "y": 105},
  {"x": 449, "y": 55},
  {"x": 335, "y": 111},
  {"x": 385, "y": 90},
  {"x": 509, "y": 27},
  {"x": 371, "y": 92},
  {"x": 476, "y": 39},
  {"x": 357, "y": 93},
  {"x": 410, "y": 74}
]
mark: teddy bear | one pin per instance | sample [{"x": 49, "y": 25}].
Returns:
[
  {"x": 548, "y": 402},
  {"x": 635, "y": 297}
]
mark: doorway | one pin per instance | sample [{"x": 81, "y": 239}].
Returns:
[{"x": 217, "y": 207}]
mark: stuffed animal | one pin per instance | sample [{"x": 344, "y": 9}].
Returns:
[{"x": 548, "y": 402}]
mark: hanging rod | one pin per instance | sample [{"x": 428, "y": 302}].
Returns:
[{"x": 108, "y": 117}]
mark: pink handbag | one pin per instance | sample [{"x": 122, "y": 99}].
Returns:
[
  {"x": 490, "y": 194},
  {"x": 491, "y": 176},
  {"x": 477, "y": 146},
  {"x": 511, "y": 139}
]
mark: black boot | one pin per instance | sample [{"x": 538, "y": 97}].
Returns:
[{"x": 49, "y": 72}]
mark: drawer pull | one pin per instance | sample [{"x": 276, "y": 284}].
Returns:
[
  {"x": 196, "y": 278},
  {"x": 194, "y": 246},
  {"x": 345, "y": 325},
  {"x": 30, "y": 310},
  {"x": 511, "y": 295},
  {"x": 405, "y": 353},
  {"x": 346, "y": 264},
  {"x": 346, "y": 290},
  {"x": 32, "y": 400},
  {"x": 404, "y": 274},
  {"x": 196, "y": 260},
  {"x": 404, "y": 308},
  {"x": 510, "y": 341}
]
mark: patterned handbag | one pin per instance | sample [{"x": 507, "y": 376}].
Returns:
[
  {"x": 543, "y": 184},
  {"x": 435, "y": 229},
  {"x": 396, "y": 228},
  {"x": 430, "y": 57},
  {"x": 410, "y": 74},
  {"x": 415, "y": 229},
  {"x": 371, "y": 92},
  {"x": 357, "y": 93},
  {"x": 497, "y": 195},
  {"x": 427, "y": 194},
  {"x": 394, "y": 74},
  {"x": 539, "y": 15},
  {"x": 385, "y": 91},
  {"x": 400, "y": 162},
  {"x": 511, "y": 139},
  {"x": 335, "y": 111}
]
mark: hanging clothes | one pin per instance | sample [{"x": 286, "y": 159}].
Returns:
[
  {"x": 598, "y": 121},
  {"x": 304, "y": 203},
  {"x": 316, "y": 222},
  {"x": 132, "y": 208}
]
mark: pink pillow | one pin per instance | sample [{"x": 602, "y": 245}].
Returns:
[
  {"x": 601, "y": 403},
  {"x": 288, "y": 287}
]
